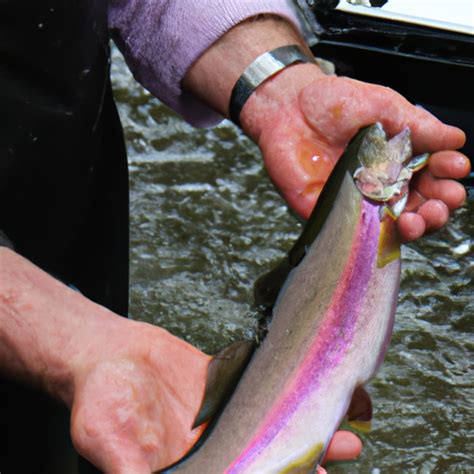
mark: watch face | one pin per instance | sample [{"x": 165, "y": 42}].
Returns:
[{"x": 449, "y": 15}]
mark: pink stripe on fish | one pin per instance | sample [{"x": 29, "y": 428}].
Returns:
[{"x": 334, "y": 337}]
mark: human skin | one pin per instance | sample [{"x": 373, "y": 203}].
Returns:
[
  {"x": 134, "y": 389},
  {"x": 300, "y": 114}
]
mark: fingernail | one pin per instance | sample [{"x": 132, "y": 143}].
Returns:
[{"x": 461, "y": 162}]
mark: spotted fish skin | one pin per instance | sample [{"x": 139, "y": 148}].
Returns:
[{"x": 331, "y": 326}]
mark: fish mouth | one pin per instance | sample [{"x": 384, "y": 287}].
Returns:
[{"x": 387, "y": 167}]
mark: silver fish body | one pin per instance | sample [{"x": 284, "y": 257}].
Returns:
[{"x": 331, "y": 326}]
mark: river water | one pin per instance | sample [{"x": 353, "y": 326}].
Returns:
[{"x": 206, "y": 221}]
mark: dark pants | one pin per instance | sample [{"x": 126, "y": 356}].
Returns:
[{"x": 63, "y": 189}]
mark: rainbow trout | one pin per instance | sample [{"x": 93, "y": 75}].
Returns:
[{"x": 332, "y": 321}]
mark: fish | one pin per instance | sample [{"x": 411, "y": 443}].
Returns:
[{"x": 333, "y": 299}]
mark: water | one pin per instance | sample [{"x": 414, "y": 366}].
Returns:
[{"x": 206, "y": 221}]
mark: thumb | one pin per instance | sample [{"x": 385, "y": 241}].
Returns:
[{"x": 337, "y": 107}]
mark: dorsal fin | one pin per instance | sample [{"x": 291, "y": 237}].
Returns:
[
  {"x": 223, "y": 373},
  {"x": 268, "y": 285}
]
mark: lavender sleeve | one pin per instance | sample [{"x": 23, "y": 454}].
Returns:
[{"x": 161, "y": 39}]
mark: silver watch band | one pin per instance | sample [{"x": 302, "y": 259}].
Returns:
[{"x": 263, "y": 68}]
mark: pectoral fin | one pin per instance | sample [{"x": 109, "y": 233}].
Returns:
[
  {"x": 223, "y": 374},
  {"x": 359, "y": 415},
  {"x": 389, "y": 239}
]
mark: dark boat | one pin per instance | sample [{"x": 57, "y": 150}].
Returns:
[{"x": 430, "y": 62}]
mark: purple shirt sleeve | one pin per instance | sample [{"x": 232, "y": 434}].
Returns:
[{"x": 161, "y": 39}]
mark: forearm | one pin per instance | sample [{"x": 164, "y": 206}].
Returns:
[{"x": 44, "y": 326}]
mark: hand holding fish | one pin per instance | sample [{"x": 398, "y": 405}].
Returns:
[
  {"x": 116, "y": 421},
  {"x": 134, "y": 389},
  {"x": 137, "y": 392},
  {"x": 302, "y": 120}
]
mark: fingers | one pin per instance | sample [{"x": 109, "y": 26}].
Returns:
[
  {"x": 411, "y": 226},
  {"x": 338, "y": 107},
  {"x": 329, "y": 112},
  {"x": 344, "y": 446},
  {"x": 415, "y": 201},
  {"x": 450, "y": 192},
  {"x": 428, "y": 134},
  {"x": 431, "y": 216},
  {"x": 432, "y": 196},
  {"x": 435, "y": 213},
  {"x": 449, "y": 164}
]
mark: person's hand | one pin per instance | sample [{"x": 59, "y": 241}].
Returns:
[
  {"x": 303, "y": 120},
  {"x": 136, "y": 394},
  {"x": 134, "y": 389}
]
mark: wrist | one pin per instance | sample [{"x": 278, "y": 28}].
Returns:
[
  {"x": 44, "y": 326},
  {"x": 212, "y": 77},
  {"x": 88, "y": 339}
]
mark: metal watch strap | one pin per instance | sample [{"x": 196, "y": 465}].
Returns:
[{"x": 264, "y": 67}]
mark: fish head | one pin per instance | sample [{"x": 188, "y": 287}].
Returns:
[{"x": 386, "y": 167}]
